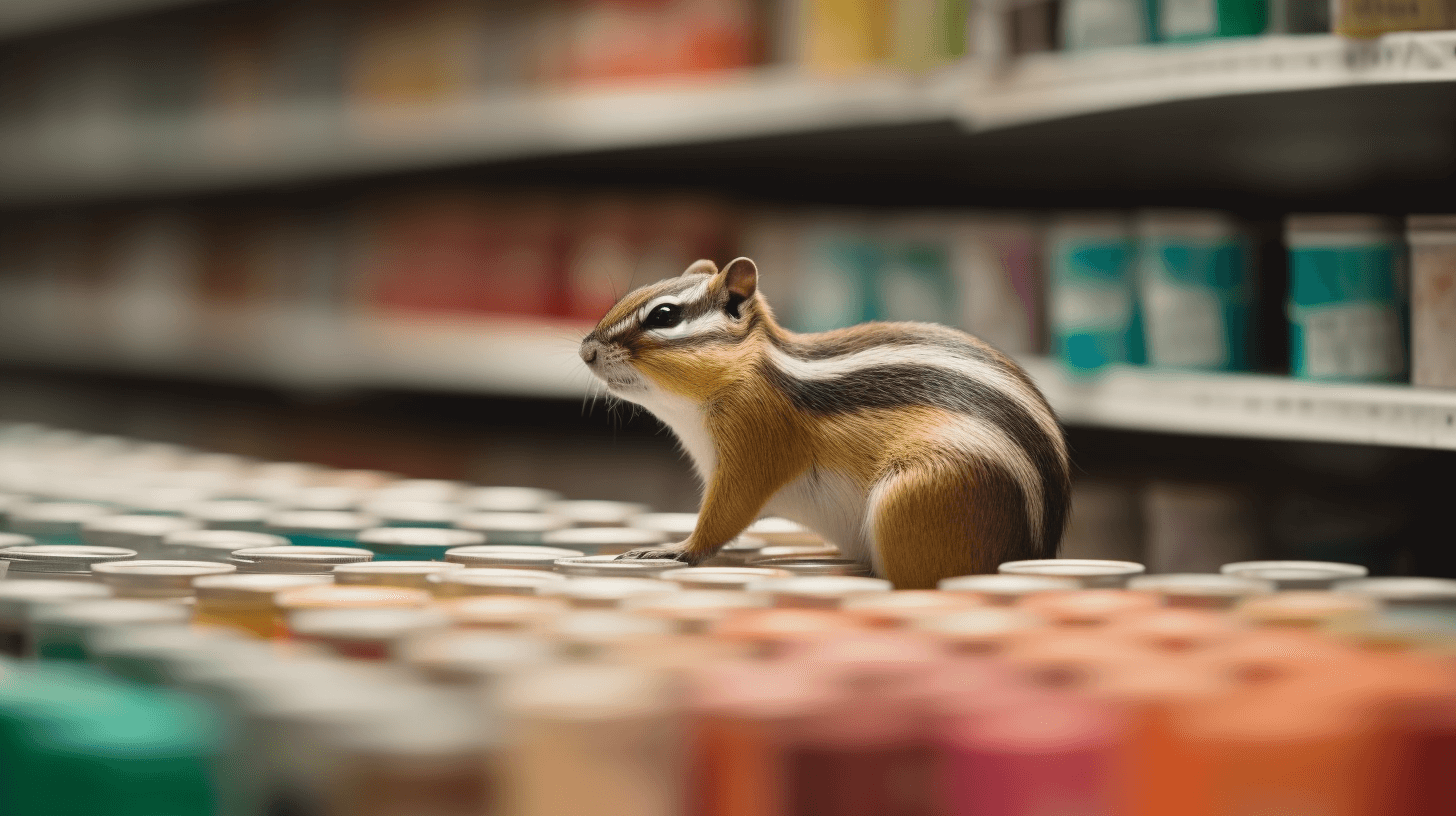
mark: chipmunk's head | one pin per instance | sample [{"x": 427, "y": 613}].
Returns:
[{"x": 687, "y": 336}]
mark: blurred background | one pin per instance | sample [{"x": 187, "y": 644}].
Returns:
[{"x": 370, "y": 234}]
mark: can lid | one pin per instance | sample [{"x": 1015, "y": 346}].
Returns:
[
  {"x": 391, "y": 573},
  {"x": 596, "y": 513},
  {"x": 111, "y": 612},
  {"x": 674, "y": 525},
  {"x": 503, "y": 611},
  {"x": 1339, "y": 229},
  {"x": 19, "y": 596},
  {"x": 610, "y": 565},
  {"x": 1403, "y": 590},
  {"x": 331, "y": 596},
  {"x": 721, "y": 577},
  {"x": 522, "y": 555},
  {"x": 366, "y": 623},
  {"x": 488, "y": 581},
  {"x": 296, "y": 559},
  {"x": 821, "y": 549},
  {"x": 54, "y": 517},
  {"x": 1071, "y": 567},
  {"x": 396, "y": 511},
  {"x": 907, "y": 605},
  {"x": 809, "y": 566},
  {"x": 603, "y": 590},
  {"x": 61, "y": 557},
  {"x": 501, "y": 522},
  {"x": 1294, "y": 573},
  {"x": 218, "y": 511},
  {"x": 252, "y": 586},
  {"x": 1004, "y": 584},
  {"x": 403, "y": 538},
  {"x": 978, "y": 623},
  {"x": 1200, "y": 585},
  {"x": 223, "y": 541},
  {"x": 1089, "y": 606},
  {"x": 508, "y": 499},
  {"x": 132, "y": 530},
  {"x": 158, "y": 573},
  {"x": 340, "y": 522},
  {"x": 595, "y": 537},
  {"x": 820, "y": 586},
  {"x": 781, "y": 531}
]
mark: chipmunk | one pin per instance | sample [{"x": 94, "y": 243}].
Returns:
[{"x": 914, "y": 447}]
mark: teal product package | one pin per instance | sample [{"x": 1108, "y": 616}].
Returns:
[
  {"x": 1348, "y": 301},
  {"x": 1093, "y": 309},
  {"x": 839, "y": 263},
  {"x": 1195, "y": 283},
  {"x": 915, "y": 280},
  {"x": 1183, "y": 20}
]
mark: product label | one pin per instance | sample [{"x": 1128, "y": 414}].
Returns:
[
  {"x": 1188, "y": 18},
  {"x": 1185, "y": 326},
  {"x": 1358, "y": 341}
]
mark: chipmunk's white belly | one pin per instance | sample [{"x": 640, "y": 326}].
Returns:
[{"x": 829, "y": 503}]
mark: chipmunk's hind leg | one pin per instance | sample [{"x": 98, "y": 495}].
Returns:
[{"x": 934, "y": 520}]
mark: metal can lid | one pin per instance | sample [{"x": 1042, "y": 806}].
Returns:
[
  {"x": 1072, "y": 567},
  {"x": 596, "y": 513},
  {"x": 488, "y": 581},
  {"x": 61, "y": 557},
  {"x": 811, "y": 566},
  {"x": 514, "y": 555},
  {"x": 1003, "y": 584},
  {"x": 820, "y": 586},
  {"x": 1199, "y": 585},
  {"x": 19, "y": 596},
  {"x": 1295, "y": 574},
  {"x": 222, "y": 541},
  {"x": 297, "y": 559},
  {"x": 252, "y": 586},
  {"x": 721, "y": 577},
  {"x": 391, "y": 573},
  {"x": 331, "y": 596},
  {"x": 589, "y": 538},
  {"x": 403, "y": 538},
  {"x": 501, "y": 522},
  {"x": 508, "y": 499},
  {"x": 54, "y": 517},
  {"x": 1403, "y": 590},
  {"x": 321, "y": 522},
  {"x": 131, "y": 531},
  {"x": 158, "y": 573},
  {"x": 398, "y": 511},
  {"x": 611, "y": 565},
  {"x": 603, "y": 590},
  {"x": 674, "y": 525},
  {"x": 365, "y": 623}
]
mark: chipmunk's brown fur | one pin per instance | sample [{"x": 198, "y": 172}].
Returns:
[{"x": 914, "y": 447}]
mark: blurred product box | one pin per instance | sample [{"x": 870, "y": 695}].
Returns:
[
  {"x": 1181, "y": 20},
  {"x": 1317, "y": 525},
  {"x": 838, "y": 262},
  {"x": 1106, "y": 521},
  {"x": 1092, "y": 308},
  {"x": 925, "y": 34},
  {"x": 1371, "y": 18},
  {"x": 1031, "y": 26},
  {"x": 1194, "y": 527},
  {"x": 607, "y": 40},
  {"x": 151, "y": 285},
  {"x": 996, "y": 262},
  {"x": 1433, "y": 299},
  {"x": 1347, "y": 298},
  {"x": 1299, "y": 16},
  {"x": 845, "y": 36},
  {"x": 1088, "y": 24},
  {"x": 422, "y": 53},
  {"x": 1195, "y": 281},
  {"x": 916, "y": 281}
]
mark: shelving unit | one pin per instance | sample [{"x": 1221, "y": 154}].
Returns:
[
  {"x": 530, "y": 358},
  {"x": 22, "y": 17},
  {"x": 969, "y": 106}
]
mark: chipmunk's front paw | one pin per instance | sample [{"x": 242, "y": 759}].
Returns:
[{"x": 676, "y": 552}]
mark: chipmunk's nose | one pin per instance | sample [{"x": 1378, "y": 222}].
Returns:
[{"x": 589, "y": 351}]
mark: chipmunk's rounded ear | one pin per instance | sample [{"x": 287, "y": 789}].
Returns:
[
  {"x": 741, "y": 277},
  {"x": 701, "y": 267}
]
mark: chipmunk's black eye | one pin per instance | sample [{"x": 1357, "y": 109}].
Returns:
[{"x": 663, "y": 316}]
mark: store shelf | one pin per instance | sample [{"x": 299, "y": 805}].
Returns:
[
  {"x": 529, "y": 358},
  {"x": 22, "y": 17},
  {"x": 83, "y": 157},
  {"x": 1244, "y": 405}
]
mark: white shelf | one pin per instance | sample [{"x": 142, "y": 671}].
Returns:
[
  {"x": 530, "y": 358},
  {"x": 97, "y": 156},
  {"x": 19, "y": 17},
  {"x": 1250, "y": 405}
]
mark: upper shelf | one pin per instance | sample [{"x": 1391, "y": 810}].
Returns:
[
  {"x": 531, "y": 358},
  {"x": 22, "y": 17},
  {"x": 972, "y": 105}
]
